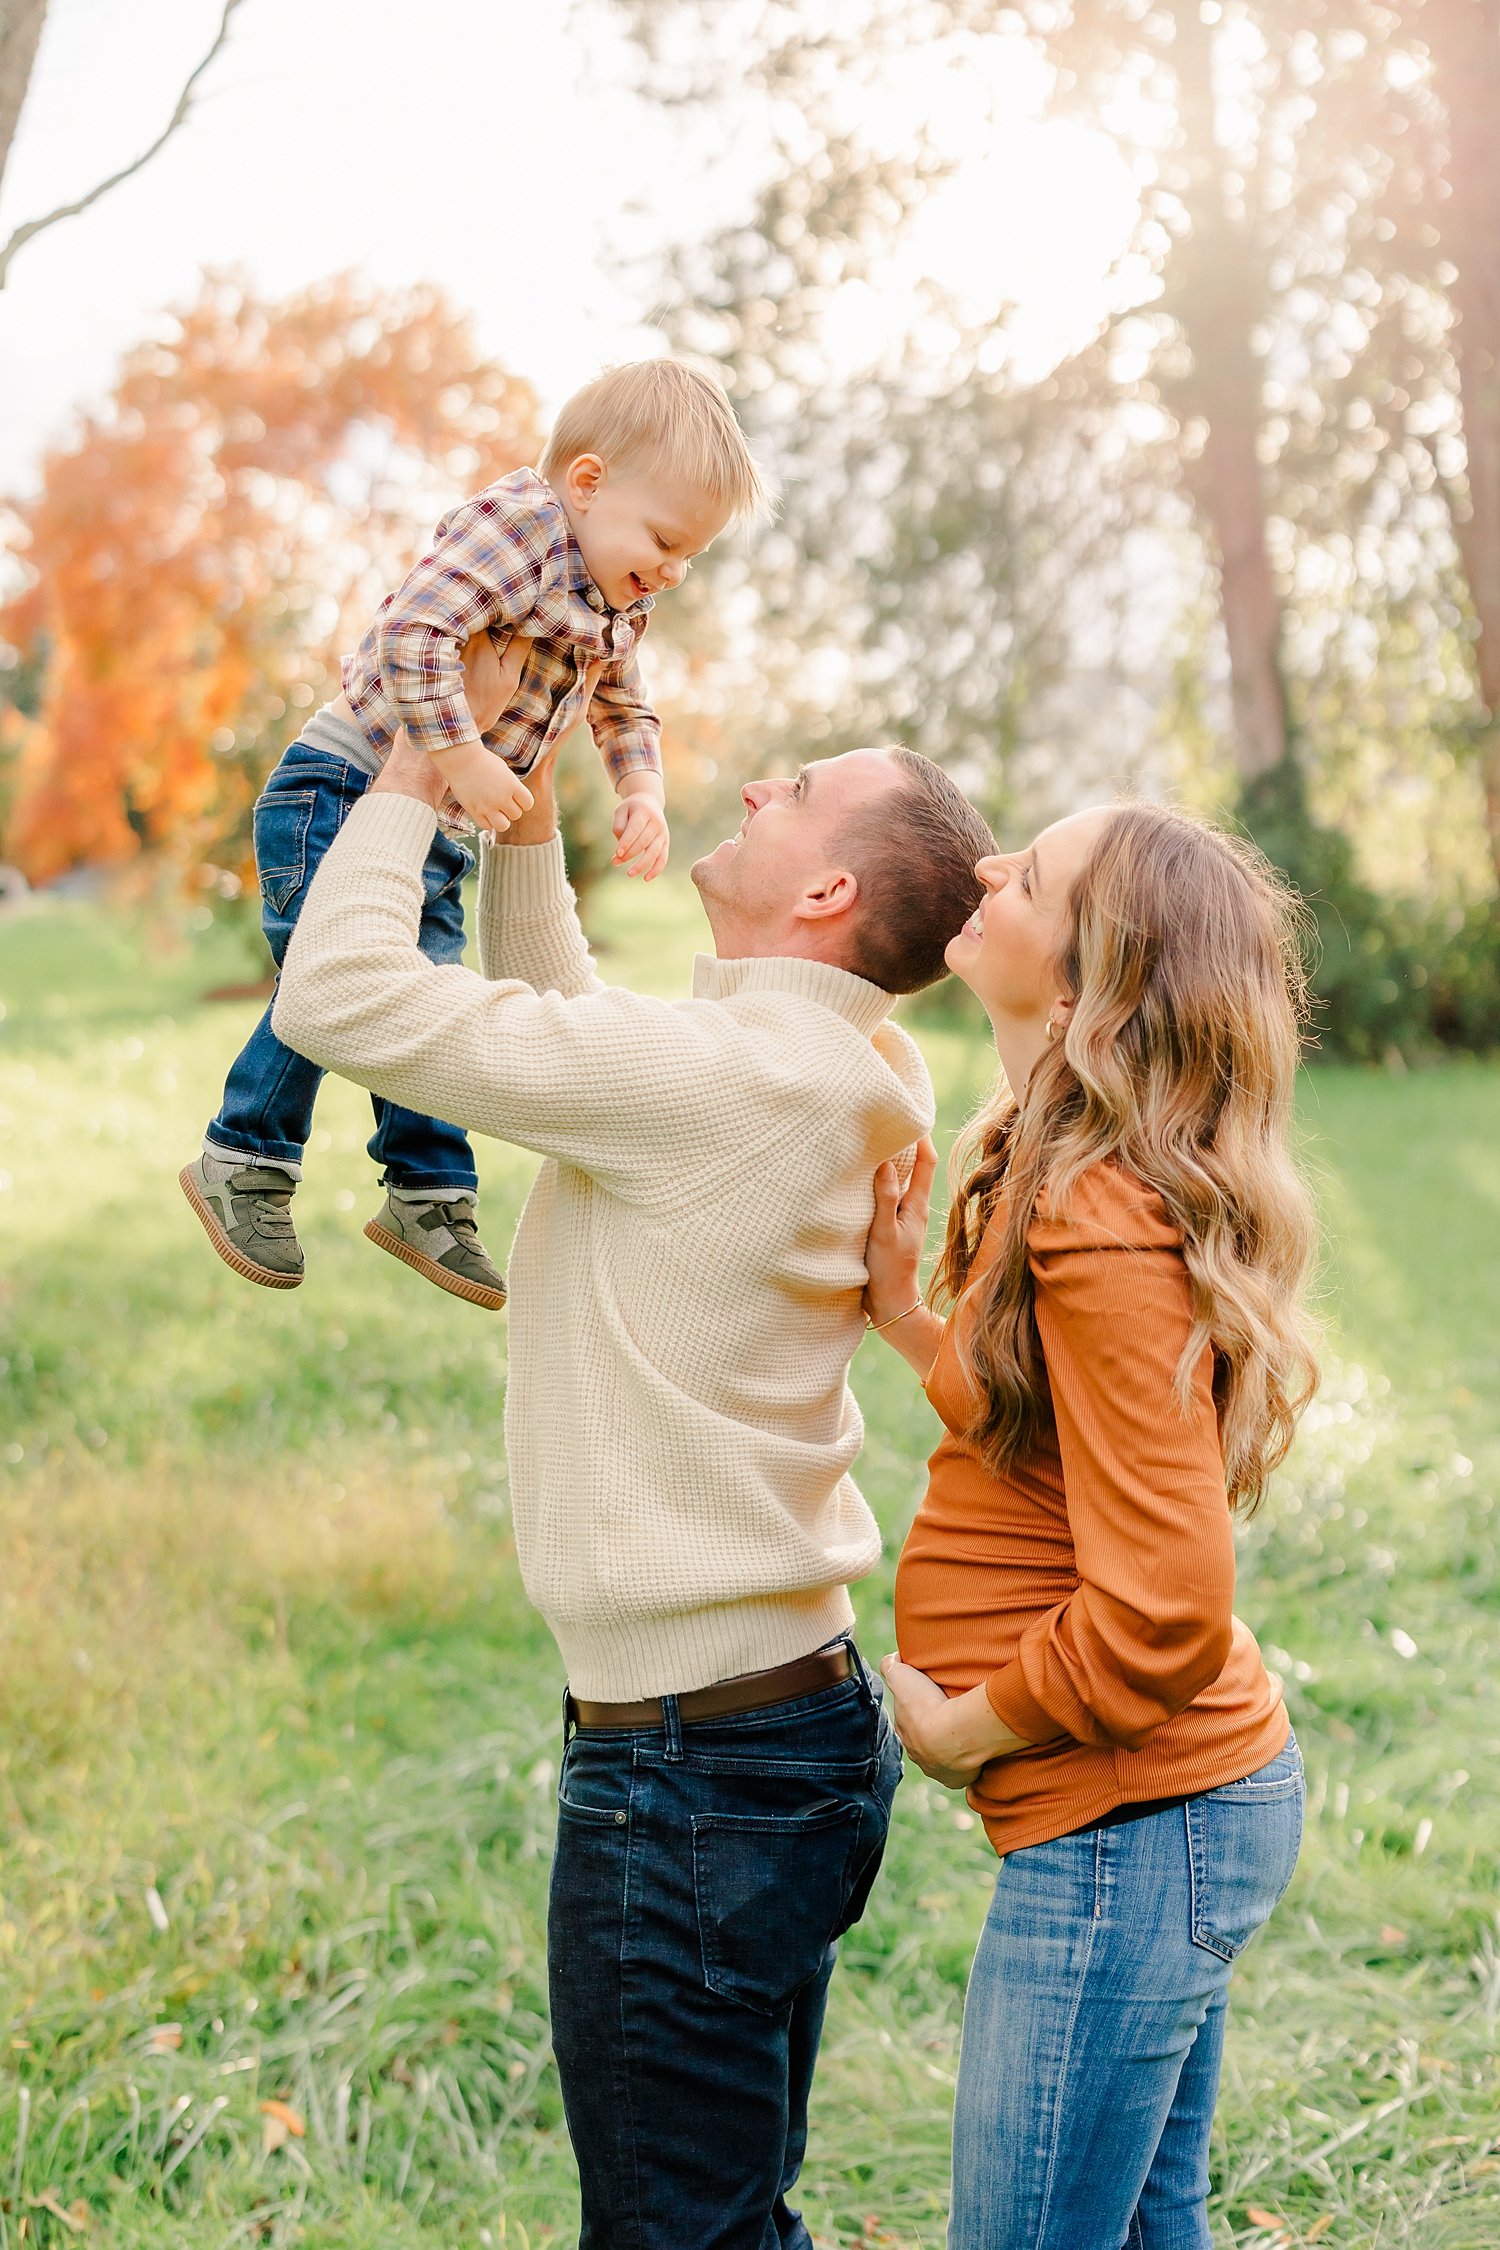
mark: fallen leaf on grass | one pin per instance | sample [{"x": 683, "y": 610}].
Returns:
[
  {"x": 1319, "y": 2227},
  {"x": 1390, "y": 1935},
  {"x": 164, "y": 2038},
  {"x": 279, "y": 2124},
  {"x": 1272, "y": 2222},
  {"x": 75, "y": 2219}
]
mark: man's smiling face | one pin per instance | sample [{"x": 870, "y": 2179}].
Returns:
[{"x": 774, "y": 887}]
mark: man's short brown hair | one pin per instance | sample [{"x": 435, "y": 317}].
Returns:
[{"x": 913, "y": 855}]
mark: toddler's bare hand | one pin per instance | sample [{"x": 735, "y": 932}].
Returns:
[
  {"x": 641, "y": 837},
  {"x": 484, "y": 785}
]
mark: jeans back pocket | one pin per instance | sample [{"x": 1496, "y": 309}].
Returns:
[
  {"x": 771, "y": 1894},
  {"x": 1243, "y": 1842},
  {"x": 281, "y": 821},
  {"x": 448, "y": 863}
]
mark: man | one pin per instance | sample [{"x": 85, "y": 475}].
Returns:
[{"x": 686, "y": 1292}]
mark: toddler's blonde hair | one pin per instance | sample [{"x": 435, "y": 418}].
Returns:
[{"x": 662, "y": 414}]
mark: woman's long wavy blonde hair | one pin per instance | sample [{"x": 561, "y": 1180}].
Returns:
[{"x": 1180, "y": 953}]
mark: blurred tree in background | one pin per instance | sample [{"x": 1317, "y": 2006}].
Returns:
[
  {"x": 1229, "y": 528},
  {"x": 203, "y": 547},
  {"x": 1275, "y": 463}
]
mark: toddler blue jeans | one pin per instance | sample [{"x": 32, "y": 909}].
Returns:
[{"x": 269, "y": 1094}]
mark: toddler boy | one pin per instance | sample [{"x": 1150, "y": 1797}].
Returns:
[{"x": 643, "y": 469}]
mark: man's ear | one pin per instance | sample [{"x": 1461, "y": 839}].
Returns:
[
  {"x": 833, "y": 894},
  {"x": 583, "y": 481}
]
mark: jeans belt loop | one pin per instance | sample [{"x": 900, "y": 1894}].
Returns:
[
  {"x": 868, "y": 1693},
  {"x": 671, "y": 1727}
]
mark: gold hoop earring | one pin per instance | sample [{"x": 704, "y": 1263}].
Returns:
[{"x": 1051, "y": 1030}]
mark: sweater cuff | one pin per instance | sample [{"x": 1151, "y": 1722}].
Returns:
[
  {"x": 527, "y": 881},
  {"x": 403, "y": 827},
  {"x": 1013, "y": 1703}
]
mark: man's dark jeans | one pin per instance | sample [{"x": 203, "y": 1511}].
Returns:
[
  {"x": 269, "y": 1094},
  {"x": 701, "y": 1877}
]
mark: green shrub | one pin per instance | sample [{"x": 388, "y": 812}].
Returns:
[
  {"x": 1387, "y": 979},
  {"x": 1463, "y": 985}
]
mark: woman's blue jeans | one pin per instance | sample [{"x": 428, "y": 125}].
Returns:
[
  {"x": 1094, "y": 2025},
  {"x": 268, "y": 1101},
  {"x": 701, "y": 1877}
]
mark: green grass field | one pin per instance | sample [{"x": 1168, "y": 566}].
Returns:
[{"x": 278, "y": 1733}]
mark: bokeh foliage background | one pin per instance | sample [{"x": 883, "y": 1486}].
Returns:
[
  {"x": 277, "y": 1730},
  {"x": 1224, "y": 522}
]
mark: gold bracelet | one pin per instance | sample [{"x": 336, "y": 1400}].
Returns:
[{"x": 875, "y": 1326}]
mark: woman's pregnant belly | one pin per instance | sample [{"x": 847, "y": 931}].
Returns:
[{"x": 978, "y": 1567}]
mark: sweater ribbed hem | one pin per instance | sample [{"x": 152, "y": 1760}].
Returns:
[
  {"x": 527, "y": 880},
  {"x": 403, "y": 826},
  {"x": 621, "y": 1661}
]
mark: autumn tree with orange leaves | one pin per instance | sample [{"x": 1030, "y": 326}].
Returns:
[{"x": 206, "y": 544}]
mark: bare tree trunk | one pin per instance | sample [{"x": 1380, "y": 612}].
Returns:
[
  {"x": 1229, "y": 489},
  {"x": 1465, "y": 41},
  {"x": 20, "y": 29},
  {"x": 1215, "y": 289}
]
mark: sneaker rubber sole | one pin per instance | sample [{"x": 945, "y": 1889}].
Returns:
[
  {"x": 235, "y": 1259},
  {"x": 472, "y": 1292}
]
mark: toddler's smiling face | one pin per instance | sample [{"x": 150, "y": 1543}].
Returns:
[{"x": 638, "y": 529}]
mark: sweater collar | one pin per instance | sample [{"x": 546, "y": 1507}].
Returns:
[{"x": 857, "y": 1001}]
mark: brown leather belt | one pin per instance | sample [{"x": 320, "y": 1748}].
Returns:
[{"x": 751, "y": 1691}]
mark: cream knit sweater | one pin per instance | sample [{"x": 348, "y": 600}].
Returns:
[{"x": 686, "y": 1277}]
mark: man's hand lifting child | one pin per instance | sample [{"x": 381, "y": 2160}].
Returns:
[
  {"x": 477, "y": 782},
  {"x": 492, "y": 667},
  {"x": 482, "y": 785},
  {"x": 492, "y": 671}
]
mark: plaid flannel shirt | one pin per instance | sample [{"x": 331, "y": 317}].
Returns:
[{"x": 506, "y": 562}]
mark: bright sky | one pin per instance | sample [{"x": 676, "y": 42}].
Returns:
[{"x": 488, "y": 145}]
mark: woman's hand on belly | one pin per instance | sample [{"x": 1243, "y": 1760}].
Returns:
[{"x": 951, "y": 1737}]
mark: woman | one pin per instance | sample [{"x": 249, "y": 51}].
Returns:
[{"x": 1124, "y": 1366}]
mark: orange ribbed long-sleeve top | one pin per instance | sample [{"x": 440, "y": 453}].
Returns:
[{"x": 1091, "y": 1586}]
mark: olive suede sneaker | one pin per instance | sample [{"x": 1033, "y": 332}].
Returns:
[
  {"x": 247, "y": 1216},
  {"x": 440, "y": 1239}
]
